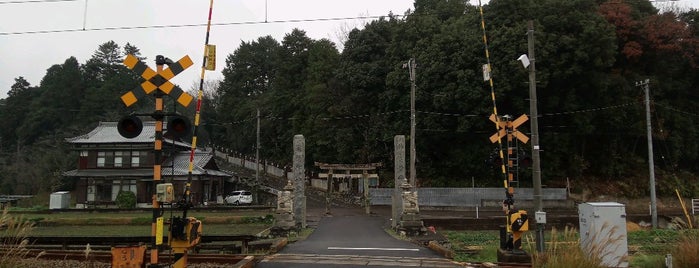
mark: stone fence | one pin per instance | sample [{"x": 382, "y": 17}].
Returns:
[
  {"x": 473, "y": 197},
  {"x": 265, "y": 167}
]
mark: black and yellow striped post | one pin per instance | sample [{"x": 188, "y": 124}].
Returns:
[
  {"x": 508, "y": 129},
  {"x": 180, "y": 247},
  {"x": 157, "y": 82},
  {"x": 501, "y": 128},
  {"x": 208, "y": 63}
]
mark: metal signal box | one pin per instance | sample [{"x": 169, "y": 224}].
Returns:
[
  {"x": 603, "y": 232},
  {"x": 165, "y": 193}
]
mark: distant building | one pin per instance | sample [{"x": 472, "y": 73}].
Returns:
[{"x": 109, "y": 163}]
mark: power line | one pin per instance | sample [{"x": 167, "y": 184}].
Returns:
[
  {"x": 591, "y": 109},
  {"x": 36, "y": 1},
  {"x": 117, "y": 28},
  {"x": 675, "y": 110},
  {"x": 350, "y": 117}
]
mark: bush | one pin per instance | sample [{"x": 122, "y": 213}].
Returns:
[{"x": 126, "y": 199}]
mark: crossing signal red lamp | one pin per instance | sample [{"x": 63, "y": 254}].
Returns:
[
  {"x": 525, "y": 161},
  {"x": 130, "y": 126},
  {"x": 178, "y": 126}
]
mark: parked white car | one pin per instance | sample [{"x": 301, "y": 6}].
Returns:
[{"x": 239, "y": 198}]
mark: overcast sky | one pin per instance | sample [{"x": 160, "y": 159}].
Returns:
[{"x": 23, "y": 52}]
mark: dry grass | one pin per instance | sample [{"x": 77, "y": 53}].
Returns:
[
  {"x": 14, "y": 245},
  {"x": 564, "y": 250},
  {"x": 686, "y": 252}
]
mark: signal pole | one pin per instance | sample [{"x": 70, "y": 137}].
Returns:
[
  {"x": 157, "y": 222},
  {"x": 156, "y": 82},
  {"x": 651, "y": 164},
  {"x": 257, "y": 158},
  {"x": 411, "y": 69},
  {"x": 536, "y": 160}
]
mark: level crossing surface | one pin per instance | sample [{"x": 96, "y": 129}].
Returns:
[{"x": 354, "y": 240}]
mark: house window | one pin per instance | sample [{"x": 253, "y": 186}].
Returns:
[
  {"x": 83, "y": 153},
  {"x": 101, "y": 158},
  {"x": 135, "y": 159},
  {"x": 118, "y": 159},
  {"x": 105, "y": 159},
  {"x": 103, "y": 191},
  {"x": 109, "y": 159},
  {"x": 122, "y": 185}
]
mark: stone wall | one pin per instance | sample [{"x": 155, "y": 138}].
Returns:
[
  {"x": 469, "y": 197},
  {"x": 250, "y": 164}
]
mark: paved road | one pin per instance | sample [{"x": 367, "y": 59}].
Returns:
[{"x": 350, "y": 239}]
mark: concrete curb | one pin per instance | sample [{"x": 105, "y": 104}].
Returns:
[
  {"x": 436, "y": 247},
  {"x": 247, "y": 262},
  {"x": 279, "y": 245}
]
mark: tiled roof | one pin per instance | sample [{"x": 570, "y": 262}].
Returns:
[
  {"x": 141, "y": 172},
  {"x": 106, "y": 132},
  {"x": 181, "y": 168}
]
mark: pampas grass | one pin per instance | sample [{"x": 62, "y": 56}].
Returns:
[{"x": 13, "y": 233}]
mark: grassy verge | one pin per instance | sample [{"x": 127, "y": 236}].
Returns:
[
  {"x": 141, "y": 230},
  {"x": 647, "y": 248},
  {"x": 137, "y": 223},
  {"x": 137, "y": 218},
  {"x": 475, "y": 246}
]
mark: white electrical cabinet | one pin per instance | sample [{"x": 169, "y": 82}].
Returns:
[
  {"x": 59, "y": 200},
  {"x": 603, "y": 232}
]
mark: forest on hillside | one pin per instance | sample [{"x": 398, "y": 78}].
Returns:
[{"x": 349, "y": 103}]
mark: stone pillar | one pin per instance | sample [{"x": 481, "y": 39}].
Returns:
[
  {"x": 299, "y": 180},
  {"x": 410, "y": 223},
  {"x": 328, "y": 192},
  {"x": 399, "y": 171},
  {"x": 284, "y": 215},
  {"x": 367, "y": 200}
]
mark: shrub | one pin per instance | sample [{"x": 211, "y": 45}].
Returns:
[{"x": 126, "y": 199}]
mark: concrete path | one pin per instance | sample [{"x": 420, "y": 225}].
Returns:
[{"x": 350, "y": 239}]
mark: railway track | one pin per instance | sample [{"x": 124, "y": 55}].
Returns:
[{"x": 106, "y": 256}]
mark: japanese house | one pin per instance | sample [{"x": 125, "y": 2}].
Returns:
[{"x": 109, "y": 163}]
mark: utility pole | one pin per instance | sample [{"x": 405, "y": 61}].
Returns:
[
  {"x": 536, "y": 160},
  {"x": 651, "y": 165},
  {"x": 411, "y": 66},
  {"x": 257, "y": 158}
]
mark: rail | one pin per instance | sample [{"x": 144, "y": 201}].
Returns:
[
  {"x": 66, "y": 241},
  {"x": 106, "y": 257}
]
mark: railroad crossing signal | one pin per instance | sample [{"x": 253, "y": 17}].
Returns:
[
  {"x": 157, "y": 80},
  {"x": 503, "y": 126}
]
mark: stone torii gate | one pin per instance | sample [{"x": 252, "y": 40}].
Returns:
[{"x": 345, "y": 171}]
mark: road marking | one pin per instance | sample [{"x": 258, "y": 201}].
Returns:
[{"x": 384, "y": 249}]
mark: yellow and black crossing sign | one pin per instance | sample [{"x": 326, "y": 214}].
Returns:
[
  {"x": 157, "y": 80},
  {"x": 504, "y": 125}
]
